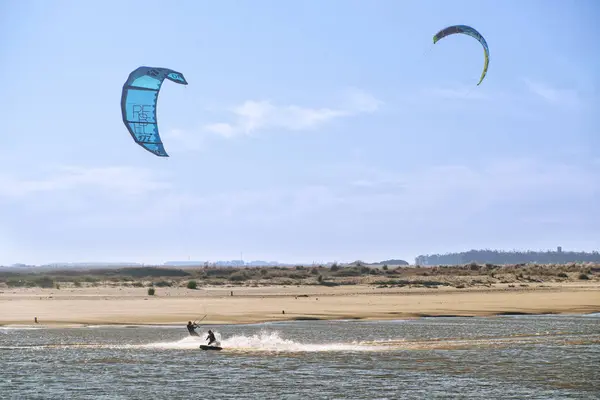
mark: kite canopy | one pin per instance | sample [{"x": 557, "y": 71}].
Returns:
[
  {"x": 467, "y": 30},
  {"x": 138, "y": 105}
]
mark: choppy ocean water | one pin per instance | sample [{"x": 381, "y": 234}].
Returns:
[{"x": 509, "y": 357}]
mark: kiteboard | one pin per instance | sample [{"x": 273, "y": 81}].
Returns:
[{"x": 205, "y": 347}]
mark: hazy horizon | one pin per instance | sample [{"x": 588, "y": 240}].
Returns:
[
  {"x": 288, "y": 262},
  {"x": 308, "y": 131}
]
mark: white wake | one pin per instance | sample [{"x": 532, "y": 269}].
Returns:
[{"x": 263, "y": 341}]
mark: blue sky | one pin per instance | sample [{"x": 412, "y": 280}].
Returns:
[{"x": 309, "y": 131}]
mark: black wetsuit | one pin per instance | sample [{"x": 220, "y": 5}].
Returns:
[
  {"x": 192, "y": 329},
  {"x": 212, "y": 338}
]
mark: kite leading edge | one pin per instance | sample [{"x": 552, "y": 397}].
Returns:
[
  {"x": 467, "y": 30},
  {"x": 138, "y": 105}
]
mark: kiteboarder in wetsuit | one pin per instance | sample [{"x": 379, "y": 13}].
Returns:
[
  {"x": 211, "y": 337},
  {"x": 192, "y": 329}
]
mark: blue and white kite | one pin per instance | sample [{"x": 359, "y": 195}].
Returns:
[{"x": 138, "y": 105}]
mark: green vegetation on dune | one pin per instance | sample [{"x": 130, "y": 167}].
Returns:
[{"x": 472, "y": 274}]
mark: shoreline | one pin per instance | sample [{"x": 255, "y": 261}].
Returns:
[
  {"x": 74, "y": 325},
  {"x": 114, "y": 306}
]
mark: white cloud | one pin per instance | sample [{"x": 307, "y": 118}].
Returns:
[
  {"x": 552, "y": 95},
  {"x": 456, "y": 93},
  {"x": 222, "y": 129},
  {"x": 358, "y": 101},
  {"x": 422, "y": 190},
  {"x": 508, "y": 178},
  {"x": 179, "y": 139},
  {"x": 126, "y": 181},
  {"x": 503, "y": 192},
  {"x": 440, "y": 195},
  {"x": 252, "y": 115},
  {"x": 356, "y": 207}
]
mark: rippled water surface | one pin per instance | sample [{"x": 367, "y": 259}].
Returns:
[{"x": 513, "y": 357}]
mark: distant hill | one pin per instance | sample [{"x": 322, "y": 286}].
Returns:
[
  {"x": 230, "y": 263},
  {"x": 393, "y": 262},
  {"x": 114, "y": 265},
  {"x": 184, "y": 263},
  {"x": 92, "y": 264},
  {"x": 76, "y": 266},
  {"x": 259, "y": 263},
  {"x": 95, "y": 265}
]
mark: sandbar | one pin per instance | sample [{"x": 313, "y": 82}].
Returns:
[{"x": 242, "y": 305}]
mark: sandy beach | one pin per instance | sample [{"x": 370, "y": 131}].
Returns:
[{"x": 112, "y": 305}]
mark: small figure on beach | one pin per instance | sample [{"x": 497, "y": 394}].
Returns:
[
  {"x": 192, "y": 328},
  {"x": 211, "y": 337}
]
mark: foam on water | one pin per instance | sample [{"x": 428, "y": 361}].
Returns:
[
  {"x": 263, "y": 341},
  {"x": 272, "y": 341},
  {"x": 187, "y": 343},
  {"x": 7, "y": 329},
  {"x": 594, "y": 314}
]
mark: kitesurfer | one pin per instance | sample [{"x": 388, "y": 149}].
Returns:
[
  {"x": 211, "y": 337},
  {"x": 192, "y": 329}
]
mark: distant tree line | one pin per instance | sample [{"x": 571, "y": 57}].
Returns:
[{"x": 508, "y": 257}]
